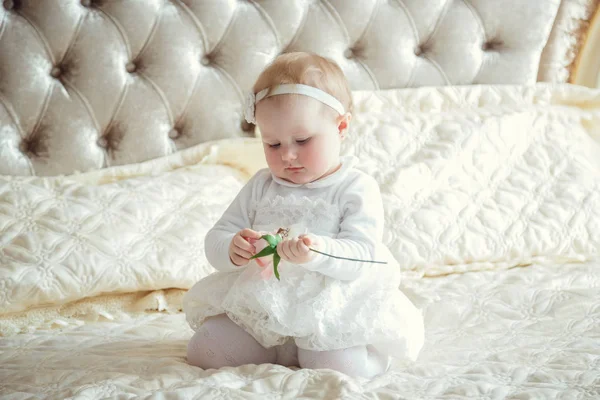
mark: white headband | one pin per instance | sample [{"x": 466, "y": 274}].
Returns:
[{"x": 292, "y": 88}]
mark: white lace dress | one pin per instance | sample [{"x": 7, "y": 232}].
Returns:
[{"x": 326, "y": 304}]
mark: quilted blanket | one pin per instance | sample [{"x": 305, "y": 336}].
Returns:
[
  {"x": 473, "y": 178},
  {"x": 526, "y": 333},
  {"x": 484, "y": 177},
  {"x": 125, "y": 229}
]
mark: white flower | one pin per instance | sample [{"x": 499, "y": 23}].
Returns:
[{"x": 249, "y": 110}]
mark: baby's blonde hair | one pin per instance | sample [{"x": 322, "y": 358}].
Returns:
[{"x": 307, "y": 69}]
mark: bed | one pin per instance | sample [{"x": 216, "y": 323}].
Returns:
[{"x": 122, "y": 140}]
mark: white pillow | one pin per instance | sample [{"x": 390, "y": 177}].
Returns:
[
  {"x": 64, "y": 238},
  {"x": 483, "y": 177}
]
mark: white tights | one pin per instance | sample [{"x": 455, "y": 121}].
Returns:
[{"x": 221, "y": 343}]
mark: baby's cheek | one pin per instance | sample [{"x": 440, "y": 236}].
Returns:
[
  {"x": 273, "y": 160},
  {"x": 319, "y": 160}
]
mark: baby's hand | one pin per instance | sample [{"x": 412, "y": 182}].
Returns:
[
  {"x": 297, "y": 250},
  {"x": 240, "y": 249}
]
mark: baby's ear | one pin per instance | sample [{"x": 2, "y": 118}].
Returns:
[{"x": 343, "y": 122}]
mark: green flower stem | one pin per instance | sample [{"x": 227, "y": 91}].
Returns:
[{"x": 349, "y": 259}]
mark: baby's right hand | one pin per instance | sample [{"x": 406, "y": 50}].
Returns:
[{"x": 240, "y": 250}]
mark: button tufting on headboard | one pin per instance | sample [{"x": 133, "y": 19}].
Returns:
[
  {"x": 174, "y": 133},
  {"x": 34, "y": 145},
  {"x": 130, "y": 70},
  {"x": 493, "y": 44},
  {"x": 205, "y": 61},
  {"x": 102, "y": 142},
  {"x": 131, "y": 67},
  {"x": 421, "y": 50},
  {"x": 56, "y": 72}
]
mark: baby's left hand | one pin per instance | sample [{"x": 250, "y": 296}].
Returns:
[{"x": 296, "y": 250}]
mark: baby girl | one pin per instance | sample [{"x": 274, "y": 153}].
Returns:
[{"x": 323, "y": 312}]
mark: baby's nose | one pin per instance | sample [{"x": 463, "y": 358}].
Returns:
[{"x": 288, "y": 154}]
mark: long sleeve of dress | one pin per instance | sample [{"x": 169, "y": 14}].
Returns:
[
  {"x": 361, "y": 231},
  {"x": 233, "y": 220}
]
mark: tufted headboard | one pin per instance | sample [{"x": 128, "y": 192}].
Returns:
[{"x": 86, "y": 84}]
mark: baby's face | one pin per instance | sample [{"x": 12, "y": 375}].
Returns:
[{"x": 301, "y": 138}]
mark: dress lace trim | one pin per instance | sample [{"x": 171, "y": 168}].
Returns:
[{"x": 291, "y": 210}]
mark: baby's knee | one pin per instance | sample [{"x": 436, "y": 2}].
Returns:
[
  {"x": 358, "y": 361},
  {"x": 204, "y": 349},
  {"x": 338, "y": 360},
  {"x": 199, "y": 352},
  {"x": 219, "y": 342}
]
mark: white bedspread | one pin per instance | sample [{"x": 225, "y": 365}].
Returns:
[
  {"x": 531, "y": 332},
  {"x": 472, "y": 178}
]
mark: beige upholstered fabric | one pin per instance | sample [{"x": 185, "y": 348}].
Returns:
[
  {"x": 566, "y": 40},
  {"x": 585, "y": 69},
  {"x": 86, "y": 84}
]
